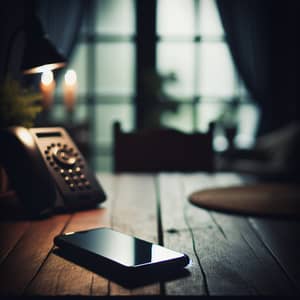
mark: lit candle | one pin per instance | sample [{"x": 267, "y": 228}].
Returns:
[
  {"x": 47, "y": 87},
  {"x": 70, "y": 86}
]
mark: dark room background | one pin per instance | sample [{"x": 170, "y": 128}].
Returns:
[{"x": 176, "y": 63}]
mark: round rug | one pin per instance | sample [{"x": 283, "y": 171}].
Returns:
[{"x": 258, "y": 199}]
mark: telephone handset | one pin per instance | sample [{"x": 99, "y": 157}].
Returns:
[{"x": 47, "y": 170}]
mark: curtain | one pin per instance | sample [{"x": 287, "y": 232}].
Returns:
[{"x": 263, "y": 37}]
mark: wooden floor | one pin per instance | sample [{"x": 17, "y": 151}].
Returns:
[{"x": 231, "y": 255}]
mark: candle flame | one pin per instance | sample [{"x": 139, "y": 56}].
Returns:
[
  {"x": 70, "y": 77},
  {"x": 47, "y": 77}
]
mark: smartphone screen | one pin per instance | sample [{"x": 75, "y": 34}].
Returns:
[{"x": 121, "y": 248}]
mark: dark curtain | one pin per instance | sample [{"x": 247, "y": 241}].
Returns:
[{"x": 263, "y": 37}]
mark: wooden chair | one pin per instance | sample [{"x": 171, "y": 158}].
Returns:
[{"x": 157, "y": 150}]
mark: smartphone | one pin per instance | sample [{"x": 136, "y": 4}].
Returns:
[{"x": 122, "y": 255}]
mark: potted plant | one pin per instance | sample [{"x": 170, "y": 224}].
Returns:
[{"x": 18, "y": 107}]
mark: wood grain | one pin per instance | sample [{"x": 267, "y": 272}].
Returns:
[
  {"x": 231, "y": 254},
  {"x": 282, "y": 238},
  {"x": 238, "y": 230},
  {"x": 134, "y": 212},
  {"x": 10, "y": 233},
  {"x": 198, "y": 227},
  {"x": 62, "y": 277},
  {"x": 26, "y": 258},
  {"x": 234, "y": 261},
  {"x": 176, "y": 234}
]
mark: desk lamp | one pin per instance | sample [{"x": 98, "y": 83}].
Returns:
[{"x": 39, "y": 53}]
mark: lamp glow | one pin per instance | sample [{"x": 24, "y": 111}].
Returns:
[
  {"x": 47, "y": 77},
  {"x": 44, "y": 68},
  {"x": 70, "y": 86},
  {"x": 70, "y": 77},
  {"x": 47, "y": 87}
]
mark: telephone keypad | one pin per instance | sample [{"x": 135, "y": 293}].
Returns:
[
  {"x": 75, "y": 178},
  {"x": 72, "y": 186},
  {"x": 69, "y": 164}
]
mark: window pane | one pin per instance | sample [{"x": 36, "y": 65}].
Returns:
[
  {"x": 177, "y": 58},
  {"x": 243, "y": 91},
  {"x": 80, "y": 113},
  {"x": 209, "y": 19},
  {"x": 248, "y": 118},
  {"x": 115, "y": 68},
  {"x": 208, "y": 112},
  {"x": 115, "y": 17},
  {"x": 77, "y": 63},
  {"x": 108, "y": 99},
  {"x": 58, "y": 113},
  {"x": 216, "y": 70},
  {"x": 182, "y": 119},
  {"x": 175, "y": 17},
  {"x": 103, "y": 163},
  {"x": 105, "y": 117}
]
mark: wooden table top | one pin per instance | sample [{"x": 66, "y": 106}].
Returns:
[{"x": 231, "y": 254}]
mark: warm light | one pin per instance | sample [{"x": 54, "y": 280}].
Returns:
[
  {"x": 47, "y": 87},
  {"x": 25, "y": 137},
  {"x": 44, "y": 68},
  {"x": 70, "y": 77},
  {"x": 47, "y": 77},
  {"x": 70, "y": 87}
]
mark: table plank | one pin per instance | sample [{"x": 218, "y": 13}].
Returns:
[
  {"x": 231, "y": 254},
  {"x": 134, "y": 212},
  {"x": 214, "y": 271},
  {"x": 282, "y": 238},
  {"x": 10, "y": 233},
  {"x": 176, "y": 234},
  {"x": 237, "y": 229},
  {"x": 231, "y": 263},
  {"x": 62, "y": 277},
  {"x": 24, "y": 261}
]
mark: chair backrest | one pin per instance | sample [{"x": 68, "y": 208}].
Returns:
[{"x": 157, "y": 150}]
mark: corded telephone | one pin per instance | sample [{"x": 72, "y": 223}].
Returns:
[{"x": 47, "y": 170}]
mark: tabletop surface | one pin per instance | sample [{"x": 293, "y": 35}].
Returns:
[{"x": 231, "y": 254}]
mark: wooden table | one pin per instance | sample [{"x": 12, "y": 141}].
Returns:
[{"x": 232, "y": 255}]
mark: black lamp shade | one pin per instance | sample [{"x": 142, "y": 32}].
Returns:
[{"x": 39, "y": 53}]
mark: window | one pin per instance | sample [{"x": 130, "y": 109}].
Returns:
[{"x": 190, "y": 43}]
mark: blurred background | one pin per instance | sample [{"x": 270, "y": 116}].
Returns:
[{"x": 153, "y": 64}]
